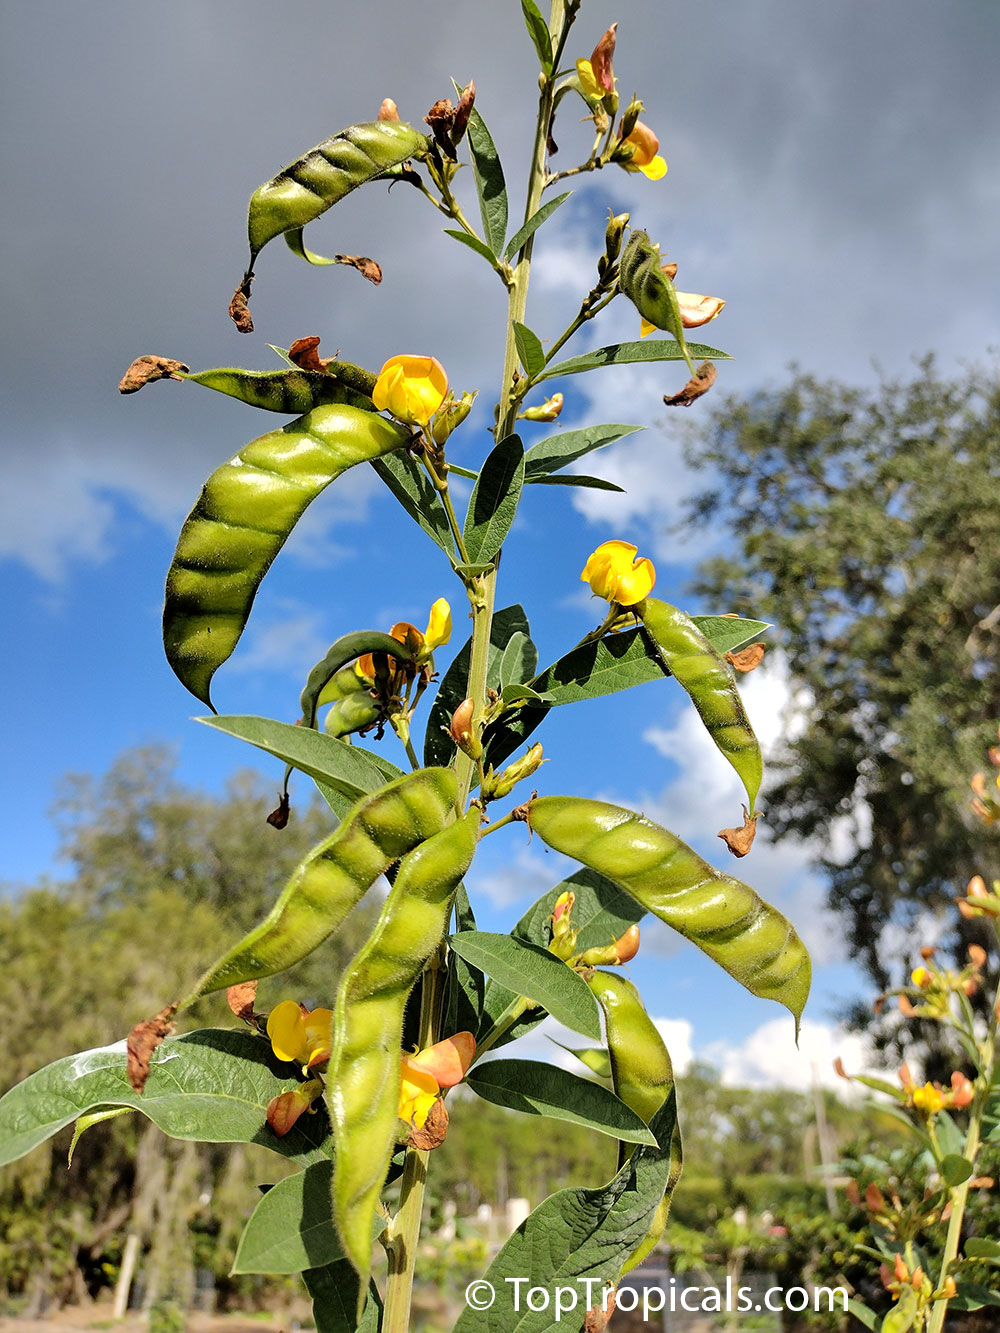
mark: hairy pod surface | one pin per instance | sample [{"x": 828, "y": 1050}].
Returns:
[
  {"x": 293, "y": 392},
  {"x": 244, "y": 514},
  {"x": 694, "y": 663},
  {"x": 747, "y": 937},
  {"x": 643, "y": 281},
  {"x": 643, "y": 1078},
  {"x": 334, "y": 877},
  {"x": 307, "y": 187},
  {"x": 362, "y": 1088}
]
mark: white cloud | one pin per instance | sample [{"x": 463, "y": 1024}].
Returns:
[
  {"x": 289, "y": 640},
  {"x": 520, "y": 880},
  {"x": 769, "y": 1057}
]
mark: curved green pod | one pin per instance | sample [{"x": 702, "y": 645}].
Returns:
[
  {"x": 643, "y": 281},
  {"x": 362, "y": 1089},
  {"x": 643, "y": 1077},
  {"x": 336, "y": 875},
  {"x": 694, "y": 663},
  {"x": 293, "y": 392},
  {"x": 306, "y": 188},
  {"x": 727, "y": 920},
  {"x": 246, "y": 510}
]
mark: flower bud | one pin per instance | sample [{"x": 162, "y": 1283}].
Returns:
[
  {"x": 630, "y": 119},
  {"x": 977, "y": 956},
  {"x": 547, "y": 411},
  {"x": 450, "y": 416},
  {"x": 901, "y": 1271},
  {"x": 927, "y": 952},
  {"x": 503, "y": 784},
  {"x": 613, "y": 235},
  {"x": 917, "y": 1279},
  {"x": 461, "y": 729},
  {"x": 976, "y": 887},
  {"x": 388, "y": 110},
  {"x": 601, "y": 58},
  {"x": 962, "y": 1091},
  {"x": 285, "y": 1109},
  {"x": 949, "y": 1290},
  {"x": 622, "y": 951}
]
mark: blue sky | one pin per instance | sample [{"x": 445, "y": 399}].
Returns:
[{"x": 833, "y": 175}]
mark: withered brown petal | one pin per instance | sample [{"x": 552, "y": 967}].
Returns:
[
  {"x": 433, "y": 1131},
  {"x": 597, "y": 1317},
  {"x": 241, "y": 999},
  {"x": 699, "y": 383},
  {"x": 368, "y": 268},
  {"x": 747, "y": 659},
  {"x": 740, "y": 840},
  {"x": 146, "y": 368},
  {"x": 463, "y": 111},
  {"x": 239, "y": 307},
  {"x": 303, "y": 352},
  {"x": 143, "y": 1041},
  {"x": 278, "y": 818}
]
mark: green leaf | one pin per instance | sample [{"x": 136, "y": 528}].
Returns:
[
  {"x": 456, "y": 471},
  {"x": 978, "y": 1248},
  {"x": 534, "y": 222},
  {"x": 596, "y": 1058},
  {"x": 494, "y": 500},
  {"x": 209, "y": 1086},
  {"x": 949, "y": 1136},
  {"x": 526, "y": 969},
  {"x": 247, "y": 509},
  {"x": 623, "y": 354},
  {"x": 902, "y": 1316},
  {"x": 539, "y": 1089},
  {"x": 439, "y": 748},
  {"x": 466, "y": 984},
  {"x": 346, "y": 649},
  {"x": 413, "y": 489},
  {"x": 473, "y": 571},
  {"x": 576, "y": 479},
  {"x": 334, "y": 1289},
  {"x": 728, "y": 634},
  {"x": 512, "y": 694},
  {"x": 574, "y": 1235},
  {"x": 529, "y": 349},
  {"x": 473, "y": 243},
  {"x": 972, "y": 1296},
  {"x": 558, "y": 451},
  {"x": 862, "y": 1313},
  {"x": 955, "y": 1170},
  {"x": 292, "y": 1228},
  {"x": 538, "y": 31},
  {"x": 490, "y": 183},
  {"x": 519, "y": 661},
  {"x": 348, "y": 769}
]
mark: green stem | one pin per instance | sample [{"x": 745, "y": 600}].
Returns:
[
  {"x": 960, "y": 1194},
  {"x": 514, "y": 1011},
  {"x": 586, "y": 312},
  {"x": 441, "y": 486},
  {"x": 405, "y": 1231}
]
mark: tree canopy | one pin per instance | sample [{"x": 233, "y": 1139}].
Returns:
[{"x": 866, "y": 525}]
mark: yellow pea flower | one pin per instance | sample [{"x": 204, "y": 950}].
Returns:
[
  {"x": 928, "y": 1099},
  {"x": 298, "y": 1035},
  {"x": 438, "y": 630},
  {"x": 646, "y": 157},
  {"x": 412, "y": 388},
  {"x": 596, "y": 75},
  {"x": 921, "y": 977},
  {"x": 615, "y": 573},
  {"x": 423, "y": 1075},
  {"x": 437, "y": 634}
]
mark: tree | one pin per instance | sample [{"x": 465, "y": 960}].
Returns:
[{"x": 867, "y": 527}]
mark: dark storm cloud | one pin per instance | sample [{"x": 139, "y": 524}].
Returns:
[{"x": 833, "y": 174}]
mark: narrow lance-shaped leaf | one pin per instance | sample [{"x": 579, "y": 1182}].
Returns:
[
  {"x": 538, "y": 31},
  {"x": 329, "y": 883},
  {"x": 209, "y": 1086},
  {"x": 747, "y": 937},
  {"x": 517, "y": 241},
  {"x": 540, "y": 1089},
  {"x": 490, "y": 183},
  {"x": 711, "y": 686},
  {"x": 413, "y": 489},
  {"x": 472, "y": 243},
  {"x": 558, "y": 451},
  {"x": 307, "y": 187},
  {"x": 576, "y": 479},
  {"x": 242, "y": 519},
  {"x": 494, "y": 500},
  {"x": 624, "y": 354}
]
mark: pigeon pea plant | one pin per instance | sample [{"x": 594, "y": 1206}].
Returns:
[
  {"x": 354, "y": 1094},
  {"x": 955, "y": 1125}
]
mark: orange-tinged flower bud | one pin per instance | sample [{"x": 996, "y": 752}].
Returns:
[
  {"x": 905, "y": 1077},
  {"x": 917, "y": 1278},
  {"x": 285, "y": 1109},
  {"x": 646, "y": 155},
  {"x": 976, "y": 887},
  {"x": 874, "y": 1199},
  {"x": 547, "y": 411},
  {"x": 949, "y": 1290},
  {"x": 969, "y": 986},
  {"x": 627, "y": 945},
  {"x": 927, "y": 952},
  {"x": 962, "y": 1091},
  {"x": 411, "y": 388},
  {"x": 615, "y": 573},
  {"x": 900, "y": 1269},
  {"x": 600, "y": 62},
  {"x": 448, "y": 1060},
  {"x": 977, "y": 956},
  {"x": 388, "y": 110},
  {"x": 563, "y": 905}
]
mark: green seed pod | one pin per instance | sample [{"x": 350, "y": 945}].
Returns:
[
  {"x": 711, "y": 683},
  {"x": 643, "y": 281},
  {"x": 293, "y": 392},
  {"x": 304, "y": 190},
  {"x": 643, "y": 1078},
  {"x": 747, "y": 937},
  {"x": 350, "y": 714},
  {"x": 246, "y": 510},
  {"x": 335, "y": 876},
  {"x": 364, "y": 1075}
]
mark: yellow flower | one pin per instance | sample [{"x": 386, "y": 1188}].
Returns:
[
  {"x": 921, "y": 977},
  {"x": 301, "y": 1037},
  {"x": 437, "y": 634},
  {"x": 422, "y": 1076},
  {"x": 412, "y": 388},
  {"x": 614, "y": 573},
  {"x": 646, "y": 157},
  {"x": 695, "y": 310},
  {"x": 596, "y": 75},
  {"x": 438, "y": 630},
  {"x": 928, "y": 1099}
]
